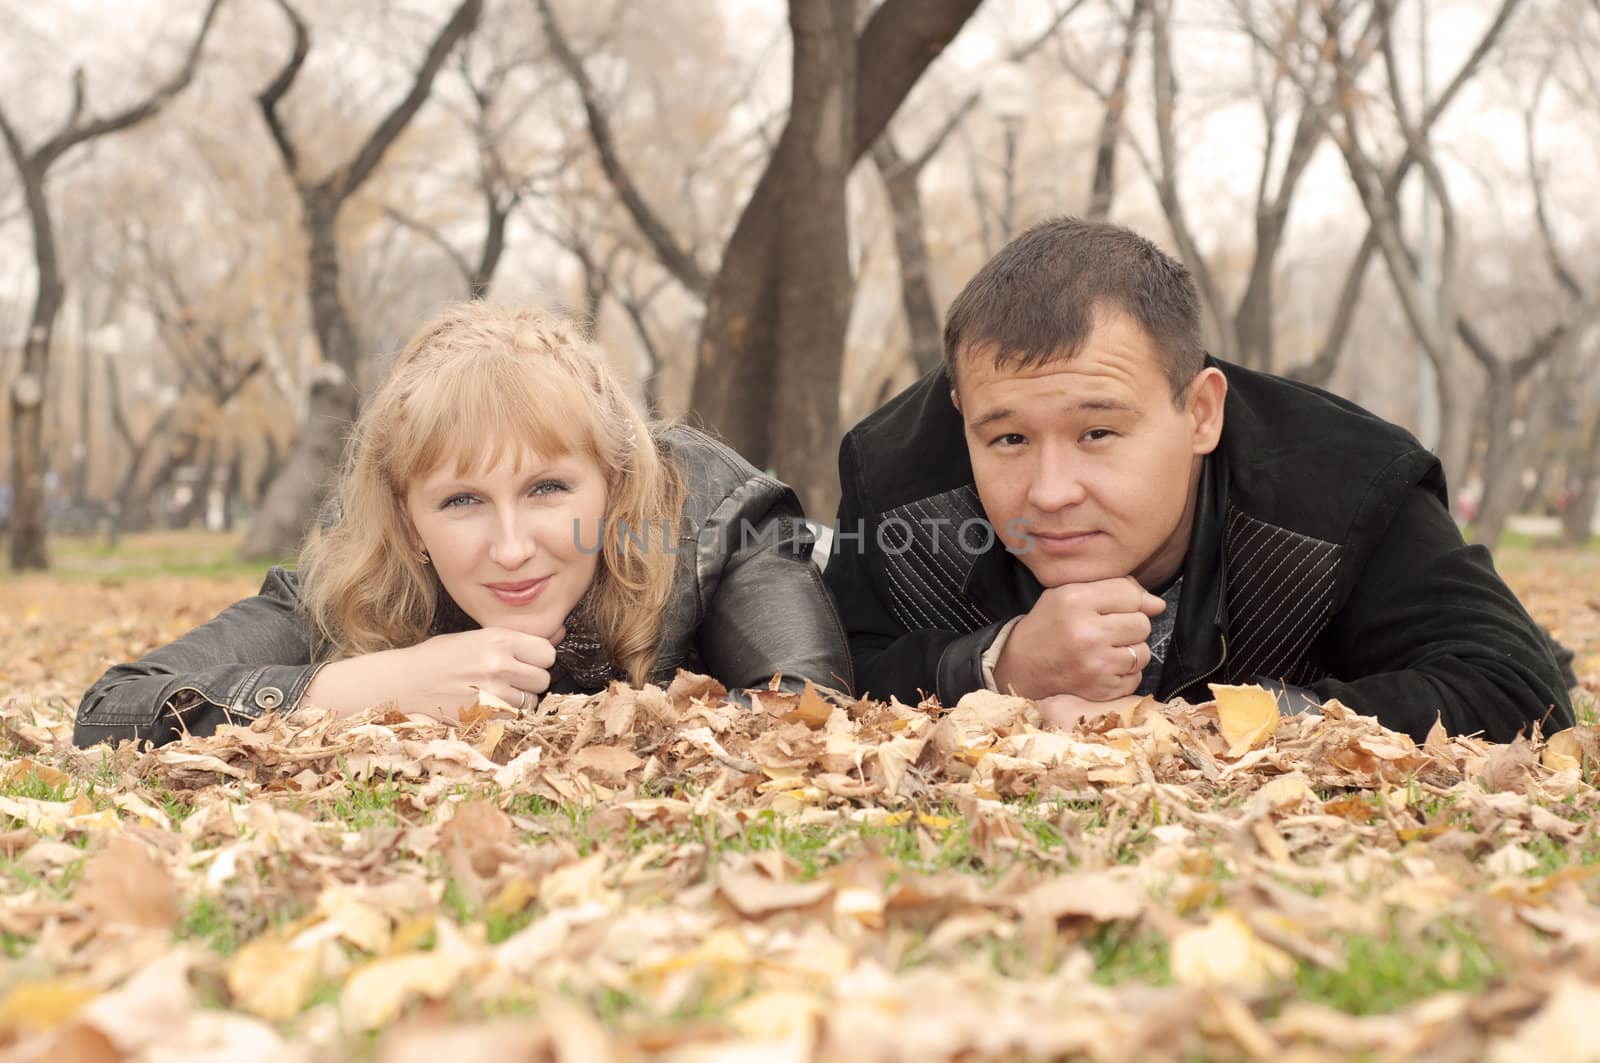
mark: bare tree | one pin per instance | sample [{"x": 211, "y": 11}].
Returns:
[
  {"x": 1244, "y": 331},
  {"x": 1434, "y": 316},
  {"x": 814, "y": 247},
  {"x": 297, "y": 492},
  {"x": 29, "y": 516},
  {"x": 500, "y": 186},
  {"x": 740, "y": 349},
  {"x": 902, "y": 176}
]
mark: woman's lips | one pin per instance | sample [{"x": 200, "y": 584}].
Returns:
[{"x": 518, "y": 593}]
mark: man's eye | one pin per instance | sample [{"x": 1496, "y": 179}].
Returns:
[
  {"x": 1095, "y": 435},
  {"x": 1010, "y": 439}
]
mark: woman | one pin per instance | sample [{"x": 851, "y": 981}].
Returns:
[{"x": 510, "y": 525}]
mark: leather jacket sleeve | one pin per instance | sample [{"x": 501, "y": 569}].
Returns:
[
  {"x": 889, "y": 659},
  {"x": 1433, "y": 633},
  {"x": 254, "y": 657},
  {"x": 766, "y": 611}
]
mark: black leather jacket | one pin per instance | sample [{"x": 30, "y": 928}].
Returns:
[
  {"x": 1322, "y": 560},
  {"x": 747, "y": 602}
]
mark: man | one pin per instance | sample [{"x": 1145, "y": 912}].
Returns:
[{"x": 1084, "y": 506}]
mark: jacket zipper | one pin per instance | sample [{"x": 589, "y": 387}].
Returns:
[{"x": 1202, "y": 678}]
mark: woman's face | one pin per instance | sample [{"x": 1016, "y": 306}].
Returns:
[{"x": 515, "y": 544}]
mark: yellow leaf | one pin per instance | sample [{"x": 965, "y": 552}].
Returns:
[
  {"x": 1285, "y": 793},
  {"x": 811, "y": 710},
  {"x": 358, "y": 922},
  {"x": 375, "y": 993},
  {"x": 575, "y": 884},
  {"x": 1226, "y": 954},
  {"x": 784, "y": 1015},
  {"x": 1563, "y": 752},
  {"x": 35, "y": 1006},
  {"x": 271, "y": 980},
  {"x": 411, "y": 932},
  {"x": 513, "y": 897},
  {"x": 20, "y": 771},
  {"x": 1249, "y": 716}
]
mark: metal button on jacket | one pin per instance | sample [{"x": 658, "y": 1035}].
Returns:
[{"x": 269, "y": 698}]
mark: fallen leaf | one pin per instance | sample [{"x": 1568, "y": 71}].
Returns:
[
  {"x": 1226, "y": 953},
  {"x": 1248, "y": 715},
  {"x": 126, "y": 883},
  {"x": 272, "y": 980}
]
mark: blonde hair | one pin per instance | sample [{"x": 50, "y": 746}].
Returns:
[{"x": 474, "y": 383}]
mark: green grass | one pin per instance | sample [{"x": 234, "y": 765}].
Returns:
[
  {"x": 1384, "y": 974},
  {"x": 148, "y": 555}
]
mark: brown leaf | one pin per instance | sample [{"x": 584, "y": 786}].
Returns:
[
  {"x": 126, "y": 883},
  {"x": 477, "y": 830},
  {"x": 754, "y": 895},
  {"x": 608, "y": 762}
]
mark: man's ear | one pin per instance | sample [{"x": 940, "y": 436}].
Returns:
[
  {"x": 1208, "y": 393},
  {"x": 955, "y": 400}
]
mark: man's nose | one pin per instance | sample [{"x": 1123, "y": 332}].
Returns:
[{"x": 1057, "y": 483}]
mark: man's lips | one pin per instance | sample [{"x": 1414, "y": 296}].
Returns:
[
  {"x": 519, "y": 593},
  {"x": 1062, "y": 541}
]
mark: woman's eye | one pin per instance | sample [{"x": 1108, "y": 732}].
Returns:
[
  {"x": 457, "y": 500},
  {"x": 549, "y": 487},
  {"x": 1010, "y": 439}
]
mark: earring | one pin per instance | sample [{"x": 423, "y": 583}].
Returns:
[{"x": 424, "y": 558}]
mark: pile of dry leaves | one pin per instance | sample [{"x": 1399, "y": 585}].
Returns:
[{"x": 663, "y": 874}]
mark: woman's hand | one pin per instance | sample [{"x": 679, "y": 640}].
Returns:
[
  {"x": 1066, "y": 711},
  {"x": 441, "y": 675}
]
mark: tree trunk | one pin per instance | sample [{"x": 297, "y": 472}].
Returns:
[
  {"x": 900, "y": 183},
  {"x": 1502, "y": 461},
  {"x": 30, "y": 514},
  {"x": 816, "y": 286},
  {"x": 29, "y": 517},
  {"x": 1577, "y": 523},
  {"x": 194, "y": 510},
  {"x": 271, "y": 465},
  {"x": 287, "y": 510},
  {"x": 299, "y": 490},
  {"x": 1455, "y": 423},
  {"x": 738, "y": 348},
  {"x": 232, "y": 488}
]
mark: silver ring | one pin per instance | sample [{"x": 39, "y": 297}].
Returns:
[
  {"x": 524, "y": 702},
  {"x": 1135, "y": 655}
]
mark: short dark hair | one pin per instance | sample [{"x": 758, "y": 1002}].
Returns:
[{"x": 1035, "y": 300}]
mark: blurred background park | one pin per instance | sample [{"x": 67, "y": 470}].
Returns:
[{"x": 220, "y": 218}]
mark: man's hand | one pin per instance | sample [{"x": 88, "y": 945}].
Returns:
[
  {"x": 1076, "y": 640},
  {"x": 1066, "y": 711}
]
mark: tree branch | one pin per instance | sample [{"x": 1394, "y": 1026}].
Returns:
[
  {"x": 677, "y": 259},
  {"x": 269, "y": 97},
  {"x": 1167, "y": 183},
  {"x": 462, "y": 23},
  {"x": 74, "y": 133},
  {"x": 1552, "y": 252},
  {"x": 432, "y": 234}
]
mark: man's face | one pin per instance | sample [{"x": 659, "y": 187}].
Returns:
[{"x": 1085, "y": 467}]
